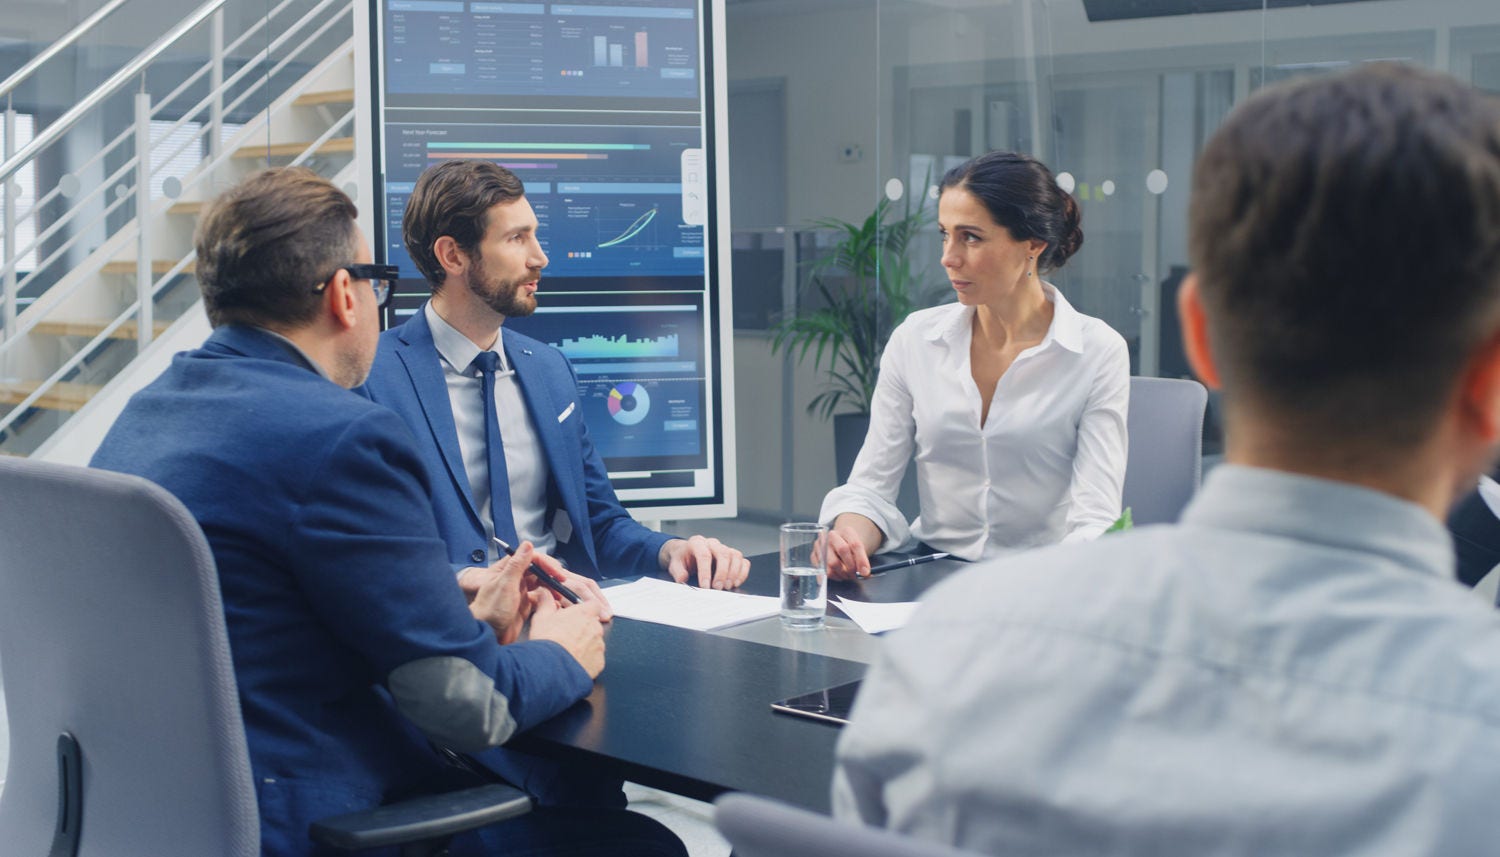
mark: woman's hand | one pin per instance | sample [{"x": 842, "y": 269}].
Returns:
[{"x": 850, "y": 542}]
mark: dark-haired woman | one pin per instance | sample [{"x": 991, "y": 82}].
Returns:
[{"x": 1012, "y": 402}]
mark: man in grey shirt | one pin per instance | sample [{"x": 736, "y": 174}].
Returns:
[{"x": 1291, "y": 669}]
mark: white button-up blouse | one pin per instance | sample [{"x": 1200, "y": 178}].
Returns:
[{"x": 1048, "y": 465}]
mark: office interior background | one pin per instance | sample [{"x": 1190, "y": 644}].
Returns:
[{"x": 834, "y": 106}]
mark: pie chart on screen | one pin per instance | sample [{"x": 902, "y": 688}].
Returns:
[{"x": 628, "y": 403}]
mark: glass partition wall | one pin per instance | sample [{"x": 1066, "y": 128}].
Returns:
[{"x": 836, "y": 105}]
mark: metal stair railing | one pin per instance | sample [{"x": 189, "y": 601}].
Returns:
[
  {"x": 213, "y": 101},
  {"x": 115, "y": 83},
  {"x": 24, "y": 73},
  {"x": 307, "y": 30},
  {"x": 54, "y": 131}
]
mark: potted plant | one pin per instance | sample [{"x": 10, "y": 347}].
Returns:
[{"x": 867, "y": 285}]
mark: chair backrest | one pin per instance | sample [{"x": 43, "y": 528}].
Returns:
[
  {"x": 1165, "y": 462},
  {"x": 112, "y": 631},
  {"x": 757, "y": 827}
]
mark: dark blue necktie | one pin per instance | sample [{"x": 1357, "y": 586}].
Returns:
[{"x": 505, "y": 526}]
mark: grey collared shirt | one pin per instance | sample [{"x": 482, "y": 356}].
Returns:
[{"x": 1289, "y": 671}]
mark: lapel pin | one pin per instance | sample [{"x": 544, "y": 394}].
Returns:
[{"x": 525, "y": 350}]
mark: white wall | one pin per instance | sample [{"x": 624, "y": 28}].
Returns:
[
  {"x": 764, "y": 459},
  {"x": 829, "y": 64}
]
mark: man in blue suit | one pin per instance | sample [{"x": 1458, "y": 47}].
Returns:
[
  {"x": 355, "y": 654},
  {"x": 471, "y": 232}
]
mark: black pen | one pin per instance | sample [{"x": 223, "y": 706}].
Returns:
[
  {"x": 903, "y": 563},
  {"x": 546, "y": 578}
]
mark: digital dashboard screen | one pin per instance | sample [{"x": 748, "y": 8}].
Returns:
[
  {"x": 543, "y": 50},
  {"x": 605, "y": 113}
]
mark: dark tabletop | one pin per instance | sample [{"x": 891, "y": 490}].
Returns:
[
  {"x": 901, "y": 584},
  {"x": 690, "y": 712}
]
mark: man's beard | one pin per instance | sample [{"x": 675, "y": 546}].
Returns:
[{"x": 503, "y": 296}]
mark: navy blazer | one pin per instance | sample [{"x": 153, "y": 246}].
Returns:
[
  {"x": 314, "y": 502},
  {"x": 1476, "y": 538},
  {"x": 408, "y": 378}
]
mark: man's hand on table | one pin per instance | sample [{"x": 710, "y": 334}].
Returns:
[{"x": 715, "y": 564}]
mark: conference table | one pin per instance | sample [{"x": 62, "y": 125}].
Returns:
[{"x": 690, "y": 712}]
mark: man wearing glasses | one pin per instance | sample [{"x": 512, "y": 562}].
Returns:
[{"x": 359, "y": 663}]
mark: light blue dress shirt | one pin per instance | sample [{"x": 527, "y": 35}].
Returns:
[{"x": 1290, "y": 671}]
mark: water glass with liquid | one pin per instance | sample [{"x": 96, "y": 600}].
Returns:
[{"x": 804, "y": 575}]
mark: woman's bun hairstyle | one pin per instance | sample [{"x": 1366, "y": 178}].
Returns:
[
  {"x": 1072, "y": 232},
  {"x": 1022, "y": 195}
]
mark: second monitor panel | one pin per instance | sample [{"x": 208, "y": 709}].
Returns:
[{"x": 605, "y": 113}]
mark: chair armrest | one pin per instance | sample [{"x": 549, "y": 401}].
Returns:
[{"x": 428, "y": 817}]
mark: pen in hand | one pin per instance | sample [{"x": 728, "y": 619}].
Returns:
[
  {"x": 553, "y": 583},
  {"x": 909, "y": 561}
]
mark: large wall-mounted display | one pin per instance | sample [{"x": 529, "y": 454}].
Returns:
[{"x": 609, "y": 113}]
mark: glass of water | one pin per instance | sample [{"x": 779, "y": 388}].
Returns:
[{"x": 804, "y": 575}]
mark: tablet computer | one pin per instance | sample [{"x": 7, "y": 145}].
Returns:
[{"x": 830, "y": 705}]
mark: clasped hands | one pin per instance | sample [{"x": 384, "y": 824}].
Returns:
[{"x": 515, "y": 603}]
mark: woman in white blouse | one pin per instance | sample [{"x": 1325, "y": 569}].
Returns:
[{"x": 1012, "y": 401}]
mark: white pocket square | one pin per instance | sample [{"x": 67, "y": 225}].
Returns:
[{"x": 568, "y": 410}]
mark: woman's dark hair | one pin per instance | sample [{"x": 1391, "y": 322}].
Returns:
[{"x": 1022, "y": 195}]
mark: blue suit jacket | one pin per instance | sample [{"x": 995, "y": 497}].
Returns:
[
  {"x": 315, "y": 505},
  {"x": 408, "y": 379}
]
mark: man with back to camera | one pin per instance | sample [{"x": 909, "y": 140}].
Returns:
[
  {"x": 1292, "y": 669},
  {"x": 472, "y": 234},
  {"x": 354, "y": 651}
]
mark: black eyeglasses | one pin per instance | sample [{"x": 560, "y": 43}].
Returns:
[{"x": 382, "y": 278}]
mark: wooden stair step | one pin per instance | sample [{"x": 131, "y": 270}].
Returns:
[
  {"x": 62, "y": 396},
  {"x": 158, "y": 266},
  {"x": 332, "y": 96},
  {"x": 92, "y": 329},
  {"x": 191, "y": 207},
  {"x": 292, "y": 150}
]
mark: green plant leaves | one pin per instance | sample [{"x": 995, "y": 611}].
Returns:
[{"x": 866, "y": 283}]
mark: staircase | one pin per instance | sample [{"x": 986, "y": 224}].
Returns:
[{"x": 110, "y": 287}]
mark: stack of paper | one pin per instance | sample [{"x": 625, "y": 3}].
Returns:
[{"x": 653, "y": 600}]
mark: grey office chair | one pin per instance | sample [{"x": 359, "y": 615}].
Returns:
[
  {"x": 1165, "y": 459},
  {"x": 125, "y": 729},
  {"x": 758, "y": 827}
]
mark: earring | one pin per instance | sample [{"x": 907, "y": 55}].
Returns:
[{"x": 1028, "y": 271}]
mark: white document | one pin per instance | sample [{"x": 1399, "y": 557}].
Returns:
[
  {"x": 654, "y": 600},
  {"x": 873, "y": 618}
]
